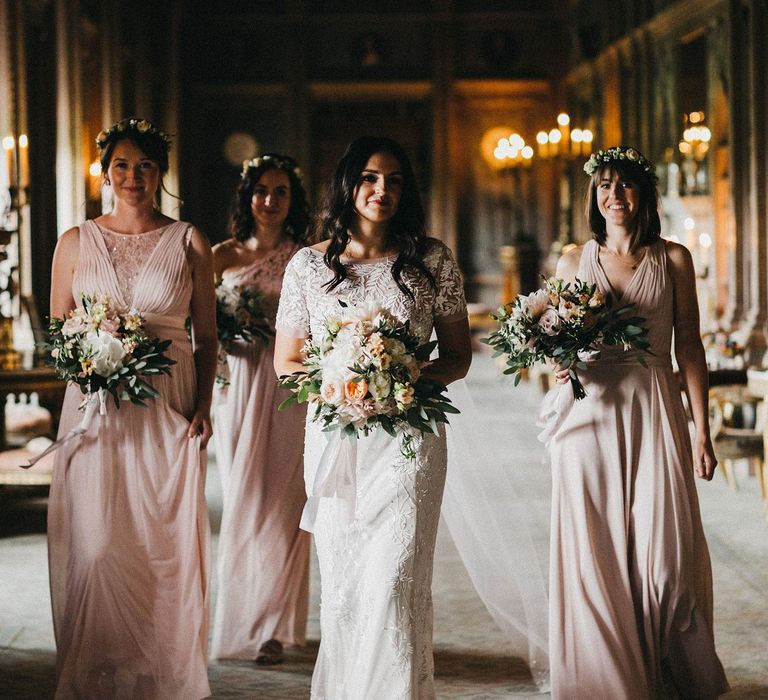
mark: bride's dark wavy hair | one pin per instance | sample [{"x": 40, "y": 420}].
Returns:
[{"x": 405, "y": 230}]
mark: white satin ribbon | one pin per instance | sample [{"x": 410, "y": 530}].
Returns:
[
  {"x": 335, "y": 477},
  {"x": 557, "y": 404},
  {"x": 89, "y": 406}
]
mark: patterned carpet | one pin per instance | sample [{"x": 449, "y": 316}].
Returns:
[{"x": 471, "y": 656}]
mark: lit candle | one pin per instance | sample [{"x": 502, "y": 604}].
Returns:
[
  {"x": 555, "y": 139},
  {"x": 9, "y": 145},
  {"x": 564, "y": 124},
  {"x": 586, "y": 141},
  {"x": 542, "y": 138},
  {"x": 23, "y": 160}
]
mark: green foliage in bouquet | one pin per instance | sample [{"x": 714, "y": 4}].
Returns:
[
  {"x": 97, "y": 348},
  {"x": 561, "y": 321},
  {"x": 240, "y": 316},
  {"x": 366, "y": 373}
]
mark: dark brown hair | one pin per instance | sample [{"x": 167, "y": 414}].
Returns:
[
  {"x": 241, "y": 222},
  {"x": 406, "y": 228}
]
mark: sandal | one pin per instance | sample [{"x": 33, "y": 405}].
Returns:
[{"x": 270, "y": 653}]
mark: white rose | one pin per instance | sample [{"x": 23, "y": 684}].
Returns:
[
  {"x": 379, "y": 385},
  {"x": 74, "y": 325},
  {"x": 332, "y": 391},
  {"x": 105, "y": 351}
]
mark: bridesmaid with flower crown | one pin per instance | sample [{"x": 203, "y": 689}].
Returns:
[
  {"x": 128, "y": 535},
  {"x": 630, "y": 575},
  {"x": 263, "y": 557}
]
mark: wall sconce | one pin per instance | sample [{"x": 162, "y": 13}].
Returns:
[
  {"x": 563, "y": 141},
  {"x": 504, "y": 148},
  {"x": 693, "y": 148}
]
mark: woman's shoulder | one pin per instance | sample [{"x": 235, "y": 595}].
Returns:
[
  {"x": 305, "y": 255},
  {"x": 568, "y": 264},
  {"x": 436, "y": 250},
  {"x": 676, "y": 252},
  {"x": 320, "y": 247}
]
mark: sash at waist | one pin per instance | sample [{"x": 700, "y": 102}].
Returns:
[
  {"x": 631, "y": 358},
  {"x": 167, "y": 327}
]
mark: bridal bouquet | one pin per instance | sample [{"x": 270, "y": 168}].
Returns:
[
  {"x": 100, "y": 349},
  {"x": 563, "y": 322},
  {"x": 366, "y": 373}
]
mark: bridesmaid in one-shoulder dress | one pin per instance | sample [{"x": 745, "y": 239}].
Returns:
[
  {"x": 262, "y": 556},
  {"x": 127, "y": 523},
  {"x": 630, "y": 575}
]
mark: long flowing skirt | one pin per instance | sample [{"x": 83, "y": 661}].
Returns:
[
  {"x": 262, "y": 556},
  {"x": 376, "y": 572},
  {"x": 630, "y": 575},
  {"x": 128, "y": 550}
]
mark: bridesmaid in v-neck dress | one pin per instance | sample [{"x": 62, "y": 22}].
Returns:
[{"x": 630, "y": 575}]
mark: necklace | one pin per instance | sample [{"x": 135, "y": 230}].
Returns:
[{"x": 633, "y": 262}]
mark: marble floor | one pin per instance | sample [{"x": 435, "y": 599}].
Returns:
[{"x": 472, "y": 658}]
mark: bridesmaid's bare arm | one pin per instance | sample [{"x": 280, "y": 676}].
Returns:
[
  {"x": 65, "y": 260},
  {"x": 567, "y": 269},
  {"x": 223, "y": 258},
  {"x": 690, "y": 356},
  {"x": 204, "y": 342},
  {"x": 568, "y": 264},
  {"x": 288, "y": 355}
]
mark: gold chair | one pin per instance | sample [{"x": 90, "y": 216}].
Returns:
[{"x": 738, "y": 422}]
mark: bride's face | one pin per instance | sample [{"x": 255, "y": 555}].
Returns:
[{"x": 378, "y": 191}]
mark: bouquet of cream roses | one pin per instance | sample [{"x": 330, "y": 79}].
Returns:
[
  {"x": 98, "y": 348},
  {"x": 562, "y": 322},
  {"x": 365, "y": 373}
]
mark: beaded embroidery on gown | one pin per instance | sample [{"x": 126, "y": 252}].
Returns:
[
  {"x": 262, "y": 555},
  {"x": 376, "y": 573},
  {"x": 128, "y": 539},
  {"x": 630, "y": 575}
]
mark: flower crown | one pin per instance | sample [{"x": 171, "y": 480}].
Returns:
[
  {"x": 126, "y": 126},
  {"x": 597, "y": 160},
  {"x": 287, "y": 164}
]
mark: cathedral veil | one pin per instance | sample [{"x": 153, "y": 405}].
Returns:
[{"x": 484, "y": 510}]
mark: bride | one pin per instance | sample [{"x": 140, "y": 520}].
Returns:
[{"x": 376, "y": 572}]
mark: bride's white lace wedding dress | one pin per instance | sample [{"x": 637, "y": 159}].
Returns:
[{"x": 376, "y": 572}]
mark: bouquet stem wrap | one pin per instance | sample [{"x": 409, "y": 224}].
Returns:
[
  {"x": 335, "y": 477},
  {"x": 91, "y": 402}
]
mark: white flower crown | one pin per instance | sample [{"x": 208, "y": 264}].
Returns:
[
  {"x": 597, "y": 160},
  {"x": 141, "y": 126},
  {"x": 281, "y": 163}
]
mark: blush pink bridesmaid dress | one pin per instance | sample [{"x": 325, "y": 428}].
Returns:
[
  {"x": 128, "y": 534},
  {"x": 262, "y": 556},
  {"x": 630, "y": 575}
]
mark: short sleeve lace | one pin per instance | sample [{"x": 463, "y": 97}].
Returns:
[
  {"x": 450, "y": 303},
  {"x": 292, "y": 313},
  {"x": 305, "y": 301}
]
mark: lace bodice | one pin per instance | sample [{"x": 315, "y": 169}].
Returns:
[
  {"x": 128, "y": 253},
  {"x": 305, "y": 303},
  {"x": 266, "y": 274}
]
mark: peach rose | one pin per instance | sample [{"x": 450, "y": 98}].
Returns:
[{"x": 356, "y": 391}]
